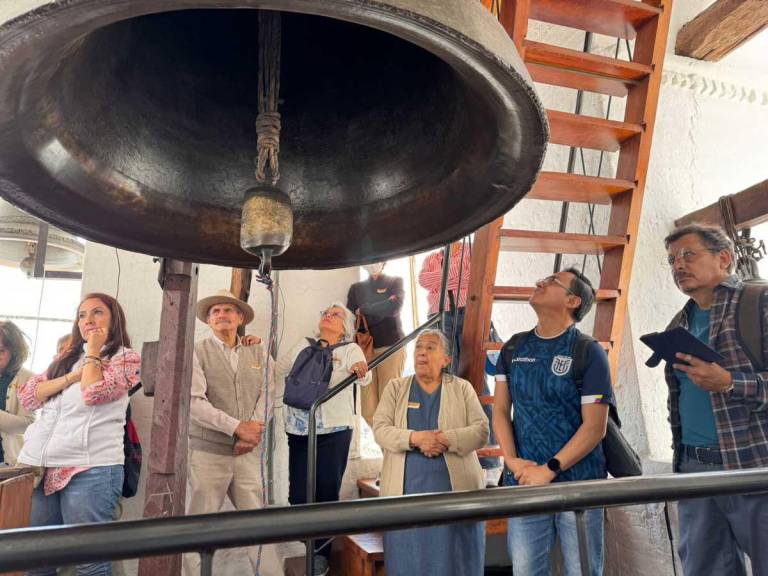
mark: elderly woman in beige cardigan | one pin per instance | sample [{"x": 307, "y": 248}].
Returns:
[{"x": 429, "y": 426}]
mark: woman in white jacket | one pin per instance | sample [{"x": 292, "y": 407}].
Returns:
[
  {"x": 335, "y": 419},
  {"x": 14, "y": 419},
  {"x": 78, "y": 437}
]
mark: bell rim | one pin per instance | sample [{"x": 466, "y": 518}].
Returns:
[{"x": 500, "y": 78}]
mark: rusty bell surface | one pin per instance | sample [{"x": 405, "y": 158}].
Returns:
[{"x": 405, "y": 123}]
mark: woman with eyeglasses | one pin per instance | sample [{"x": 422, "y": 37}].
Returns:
[
  {"x": 77, "y": 441},
  {"x": 14, "y": 418},
  {"x": 310, "y": 368}
]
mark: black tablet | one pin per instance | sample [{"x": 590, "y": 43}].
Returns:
[{"x": 666, "y": 344}]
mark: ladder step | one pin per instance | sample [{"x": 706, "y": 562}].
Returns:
[
  {"x": 563, "y": 187},
  {"x": 486, "y": 400},
  {"x": 617, "y": 18},
  {"x": 584, "y": 62},
  {"x": 523, "y": 293},
  {"x": 589, "y": 132},
  {"x": 578, "y": 81},
  {"x": 557, "y": 242}
]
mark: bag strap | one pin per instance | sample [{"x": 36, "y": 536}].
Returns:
[
  {"x": 749, "y": 324},
  {"x": 361, "y": 321},
  {"x": 509, "y": 347},
  {"x": 579, "y": 353},
  {"x": 579, "y": 350}
]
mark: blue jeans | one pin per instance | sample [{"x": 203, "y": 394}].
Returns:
[
  {"x": 530, "y": 540},
  {"x": 715, "y": 532},
  {"x": 90, "y": 496}
]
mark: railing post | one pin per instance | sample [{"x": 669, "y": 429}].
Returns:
[
  {"x": 206, "y": 562},
  {"x": 581, "y": 533},
  {"x": 444, "y": 285}
]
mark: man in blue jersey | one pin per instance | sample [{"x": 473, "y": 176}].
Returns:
[{"x": 557, "y": 429}]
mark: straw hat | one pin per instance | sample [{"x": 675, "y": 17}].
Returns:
[{"x": 223, "y": 297}]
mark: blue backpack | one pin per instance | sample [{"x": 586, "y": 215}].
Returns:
[{"x": 310, "y": 374}]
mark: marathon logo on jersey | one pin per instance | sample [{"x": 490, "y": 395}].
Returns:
[{"x": 561, "y": 365}]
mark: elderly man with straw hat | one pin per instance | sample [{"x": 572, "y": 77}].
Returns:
[{"x": 230, "y": 409}]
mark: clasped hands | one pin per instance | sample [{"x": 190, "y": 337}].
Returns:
[
  {"x": 529, "y": 473},
  {"x": 431, "y": 443},
  {"x": 249, "y": 435}
]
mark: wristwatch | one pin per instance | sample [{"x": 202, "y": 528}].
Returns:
[{"x": 554, "y": 465}]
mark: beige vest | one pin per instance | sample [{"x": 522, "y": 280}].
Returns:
[{"x": 235, "y": 394}]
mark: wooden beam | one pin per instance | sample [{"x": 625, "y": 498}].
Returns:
[
  {"x": 721, "y": 28},
  {"x": 750, "y": 208},
  {"x": 167, "y": 482},
  {"x": 241, "y": 288}
]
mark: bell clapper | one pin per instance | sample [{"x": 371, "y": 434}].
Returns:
[{"x": 267, "y": 217}]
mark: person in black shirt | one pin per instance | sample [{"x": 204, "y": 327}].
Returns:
[{"x": 380, "y": 300}]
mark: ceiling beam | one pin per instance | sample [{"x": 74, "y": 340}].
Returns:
[
  {"x": 721, "y": 28},
  {"x": 750, "y": 208}
]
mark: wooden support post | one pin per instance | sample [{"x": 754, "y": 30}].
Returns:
[
  {"x": 477, "y": 313},
  {"x": 721, "y": 28},
  {"x": 167, "y": 482},
  {"x": 750, "y": 208},
  {"x": 241, "y": 288}
]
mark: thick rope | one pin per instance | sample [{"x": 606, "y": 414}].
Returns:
[
  {"x": 748, "y": 250},
  {"x": 268, "y": 121}
]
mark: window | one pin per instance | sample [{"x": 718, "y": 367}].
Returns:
[{"x": 42, "y": 308}]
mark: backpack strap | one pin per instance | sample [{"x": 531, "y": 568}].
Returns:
[
  {"x": 581, "y": 343},
  {"x": 749, "y": 324},
  {"x": 508, "y": 350},
  {"x": 579, "y": 353}
]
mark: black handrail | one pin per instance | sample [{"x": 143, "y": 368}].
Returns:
[
  {"x": 312, "y": 426},
  {"x": 66, "y": 545}
]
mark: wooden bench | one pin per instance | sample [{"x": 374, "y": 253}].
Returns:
[
  {"x": 364, "y": 554},
  {"x": 16, "y": 487}
]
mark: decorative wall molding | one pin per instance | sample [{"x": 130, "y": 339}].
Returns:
[{"x": 707, "y": 85}]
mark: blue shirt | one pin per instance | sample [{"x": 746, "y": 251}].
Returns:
[
  {"x": 696, "y": 415},
  {"x": 546, "y": 403}
]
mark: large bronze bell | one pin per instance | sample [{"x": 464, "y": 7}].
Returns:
[{"x": 405, "y": 123}]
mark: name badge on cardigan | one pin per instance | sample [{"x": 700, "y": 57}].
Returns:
[
  {"x": 381, "y": 290},
  {"x": 415, "y": 405}
]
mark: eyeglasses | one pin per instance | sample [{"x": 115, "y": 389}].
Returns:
[
  {"x": 330, "y": 314},
  {"x": 687, "y": 255},
  {"x": 553, "y": 280}
]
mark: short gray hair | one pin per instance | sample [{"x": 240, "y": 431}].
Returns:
[
  {"x": 712, "y": 236},
  {"x": 349, "y": 321},
  {"x": 440, "y": 336}
]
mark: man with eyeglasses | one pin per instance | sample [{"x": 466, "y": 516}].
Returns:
[
  {"x": 557, "y": 429},
  {"x": 718, "y": 413}
]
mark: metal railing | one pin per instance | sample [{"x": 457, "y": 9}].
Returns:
[{"x": 30, "y": 548}]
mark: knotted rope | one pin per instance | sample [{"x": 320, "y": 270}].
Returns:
[{"x": 268, "y": 121}]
